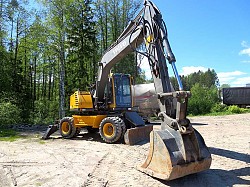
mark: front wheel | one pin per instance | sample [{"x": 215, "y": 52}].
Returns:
[
  {"x": 111, "y": 129},
  {"x": 67, "y": 128}
]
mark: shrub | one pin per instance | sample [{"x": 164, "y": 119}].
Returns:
[
  {"x": 237, "y": 110},
  {"x": 45, "y": 111},
  {"x": 202, "y": 99},
  {"x": 9, "y": 114},
  {"x": 218, "y": 107}
]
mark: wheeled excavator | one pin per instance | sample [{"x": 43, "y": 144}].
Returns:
[{"x": 177, "y": 149}]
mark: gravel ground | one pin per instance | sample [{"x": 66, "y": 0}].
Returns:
[{"x": 88, "y": 161}]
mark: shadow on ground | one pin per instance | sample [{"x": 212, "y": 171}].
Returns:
[
  {"x": 230, "y": 154},
  {"x": 212, "y": 177},
  {"x": 199, "y": 124},
  {"x": 217, "y": 177}
]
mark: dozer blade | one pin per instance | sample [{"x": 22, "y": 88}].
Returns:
[
  {"x": 173, "y": 155},
  {"x": 137, "y": 134},
  {"x": 50, "y": 130}
]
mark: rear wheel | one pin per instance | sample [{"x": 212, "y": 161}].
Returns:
[
  {"x": 111, "y": 129},
  {"x": 67, "y": 128}
]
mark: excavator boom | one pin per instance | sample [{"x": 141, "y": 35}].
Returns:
[{"x": 177, "y": 149}]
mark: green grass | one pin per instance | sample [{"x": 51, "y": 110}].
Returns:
[
  {"x": 42, "y": 142},
  {"x": 8, "y": 135}
]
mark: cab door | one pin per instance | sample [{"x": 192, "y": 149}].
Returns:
[{"x": 122, "y": 90}]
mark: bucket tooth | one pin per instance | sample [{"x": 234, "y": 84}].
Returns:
[{"x": 173, "y": 155}]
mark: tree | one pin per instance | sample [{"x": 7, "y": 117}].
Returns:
[
  {"x": 202, "y": 99},
  {"x": 81, "y": 36},
  {"x": 113, "y": 16},
  {"x": 46, "y": 55},
  {"x": 57, "y": 19},
  {"x": 206, "y": 79},
  {"x": 225, "y": 86},
  {"x": 72, "y": 37}
]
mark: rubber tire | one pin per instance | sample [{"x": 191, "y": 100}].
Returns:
[
  {"x": 71, "y": 128},
  {"x": 117, "y": 125},
  {"x": 124, "y": 128}
]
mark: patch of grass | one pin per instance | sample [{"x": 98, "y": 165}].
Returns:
[
  {"x": 38, "y": 184},
  {"x": 42, "y": 142},
  {"x": 222, "y": 110},
  {"x": 219, "y": 113},
  {"x": 9, "y": 135}
]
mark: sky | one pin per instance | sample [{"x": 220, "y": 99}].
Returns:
[{"x": 209, "y": 34}]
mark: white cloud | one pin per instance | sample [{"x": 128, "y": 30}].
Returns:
[
  {"x": 244, "y": 44},
  {"x": 232, "y": 78},
  {"x": 241, "y": 81},
  {"x": 245, "y": 52},
  {"x": 191, "y": 69},
  {"x": 246, "y": 61},
  {"x": 230, "y": 74},
  {"x": 185, "y": 70}
]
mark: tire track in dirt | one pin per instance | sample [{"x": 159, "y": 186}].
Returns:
[{"x": 118, "y": 168}]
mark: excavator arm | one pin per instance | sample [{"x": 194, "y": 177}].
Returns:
[
  {"x": 177, "y": 149},
  {"x": 148, "y": 28}
]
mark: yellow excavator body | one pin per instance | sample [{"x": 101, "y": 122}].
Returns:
[
  {"x": 81, "y": 100},
  {"x": 88, "y": 121}
]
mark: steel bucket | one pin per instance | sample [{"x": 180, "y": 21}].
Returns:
[{"x": 173, "y": 155}]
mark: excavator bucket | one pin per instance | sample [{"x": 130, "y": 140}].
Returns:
[{"x": 173, "y": 155}]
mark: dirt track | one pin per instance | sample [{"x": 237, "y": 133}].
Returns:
[{"x": 88, "y": 161}]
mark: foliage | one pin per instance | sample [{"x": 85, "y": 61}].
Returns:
[
  {"x": 9, "y": 113},
  {"x": 221, "y": 109},
  {"x": 207, "y": 79},
  {"x": 45, "y": 55},
  {"x": 224, "y": 86},
  {"x": 237, "y": 110},
  {"x": 218, "y": 107},
  {"x": 53, "y": 51},
  {"x": 45, "y": 112},
  {"x": 202, "y": 99},
  {"x": 112, "y": 17}
]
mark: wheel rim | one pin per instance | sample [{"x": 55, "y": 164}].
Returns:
[
  {"x": 65, "y": 127},
  {"x": 108, "y": 129}
]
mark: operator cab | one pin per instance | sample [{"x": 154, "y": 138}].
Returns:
[{"x": 119, "y": 91}]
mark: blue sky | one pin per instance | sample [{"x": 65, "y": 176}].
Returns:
[{"x": 209, "y": 34}]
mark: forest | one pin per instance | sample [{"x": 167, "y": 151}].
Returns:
[{"x": 49, "y": 49}]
